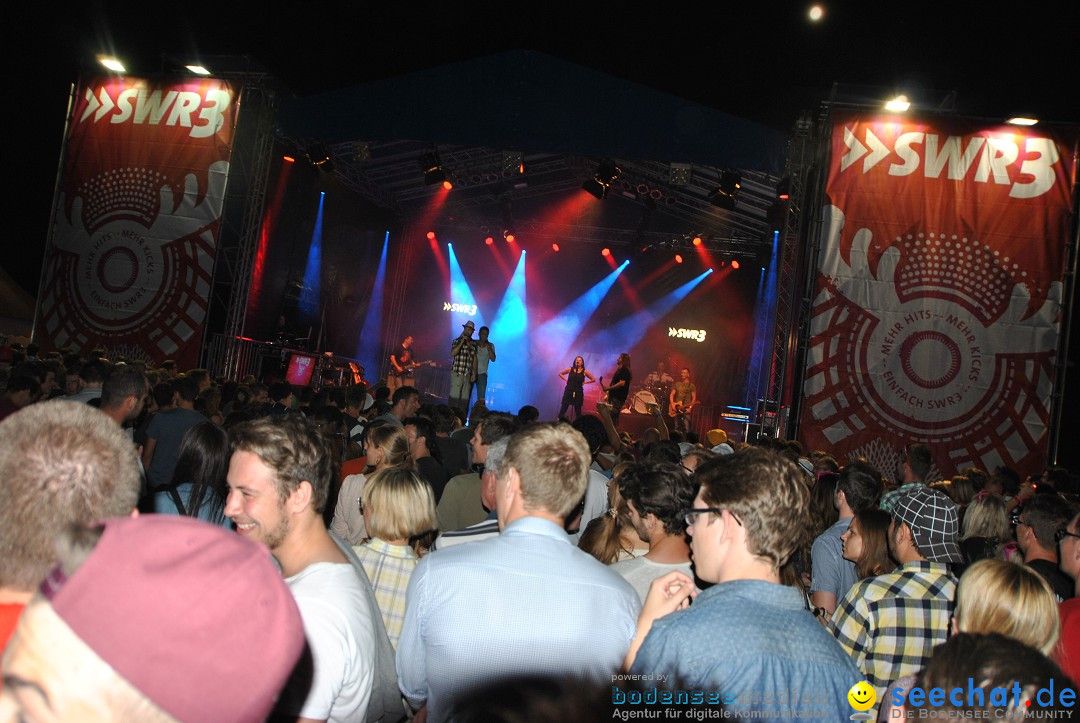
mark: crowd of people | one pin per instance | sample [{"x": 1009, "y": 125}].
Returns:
[{"x": 175, "y": 547}]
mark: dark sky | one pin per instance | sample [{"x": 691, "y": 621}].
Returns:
[{"x": 763, "y": 60}]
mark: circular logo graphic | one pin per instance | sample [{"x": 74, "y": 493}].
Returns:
[{"x": 862, "y": 696}]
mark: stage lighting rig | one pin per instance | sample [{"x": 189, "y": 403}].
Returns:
[
  {"x": 320, "y": 157},
  {"x": 432, "y": 167},
  {"x": 726, "y": 192},
  {"x": 606, "y": 174}
]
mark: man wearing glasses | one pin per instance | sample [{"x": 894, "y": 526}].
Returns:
[
  {"x": 1036, "y": 526},
  {"x": 748, "y": 636},
  {"x": 1068, "y": 539}
]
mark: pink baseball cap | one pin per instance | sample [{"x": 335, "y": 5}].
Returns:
[{"x": 197, "y": 619}]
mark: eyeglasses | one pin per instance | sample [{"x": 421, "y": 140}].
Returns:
[
  {"x": 1014, "y": 519},
  {"x": 1061, "y": 534},
  {"x": 692, "y": 514}
]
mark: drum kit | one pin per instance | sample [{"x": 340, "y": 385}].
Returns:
[{"x": 648, "y": 393}]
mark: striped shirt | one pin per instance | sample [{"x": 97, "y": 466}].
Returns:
[
  {"x": 889, "y": 624},
  {"x": 389, "y": 568}
]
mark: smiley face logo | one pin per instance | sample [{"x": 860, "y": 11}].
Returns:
[{"x": 862, "y": 696}]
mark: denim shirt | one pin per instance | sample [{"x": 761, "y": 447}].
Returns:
[{"x": 755, "y": 643}]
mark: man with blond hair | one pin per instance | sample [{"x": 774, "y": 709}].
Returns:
[
  {"x": 524, "y": 603},
  {"x": 60, "y": 465}
]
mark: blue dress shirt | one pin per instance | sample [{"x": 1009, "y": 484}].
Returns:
[
  {"x": 525, "y": 602},
  {"x": 755, "y": 643}
]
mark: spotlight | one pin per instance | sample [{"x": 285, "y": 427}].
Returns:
[
  {"x": 697, "y": 240},
  {"x": 730, "y": 183},
  {"x": 432, "y": 167},
  {"x": 509, "y": 238},
  {"x": 447, "y": 185},
  {"x": 899, "y": 104},
  {"x": 679, "y": 174},
  {"x": 1022, "y": 121},
  {"x": 489, "y": 240},
  {"x": 319, "y": 156},
  {"x": 555, "y": 248},
  {"x": 431, "y": 235},
  {"x": 678, "y": 258},
  {"x": 606, "y": 174},
  {"x": 288, "y": 159},
  {"x": 727, "y": 190},
  {"x": 111, "y": 64},
  {"x": 722, "y": 200},
  {"x": 783, "y": 188},
  {"x": 734, "y": 264},
  {"x": 197, "y": 69},
  {"x": 514, "y": 161},
  {"x": 605, "y": 252}
]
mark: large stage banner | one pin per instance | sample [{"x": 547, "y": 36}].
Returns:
[
  {"x": 938, "y": 300},
  {"x": 130, "y": 259}
]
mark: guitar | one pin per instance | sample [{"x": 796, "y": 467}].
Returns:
[
  {"x": 410, "y": 366},
  {"x": 678, "y": 410}
]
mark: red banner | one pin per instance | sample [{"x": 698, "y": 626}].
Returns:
[
  {"x": 132, "y": 251},
  {"x": 938, "y": 300}
]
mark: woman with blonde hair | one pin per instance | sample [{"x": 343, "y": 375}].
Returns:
[
  {"x": 387, "y": 446},
  {"x": 399, "y": 510},
  {"x": 995, "y": 596},
  {"x": 986, "y": 528}
]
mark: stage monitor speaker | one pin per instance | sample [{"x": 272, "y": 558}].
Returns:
[{"x": 752, "y": 432}]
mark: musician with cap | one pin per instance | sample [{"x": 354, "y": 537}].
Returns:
[
  {"x": 153, "y": 618},
  {"x": 463, "y": 371}
]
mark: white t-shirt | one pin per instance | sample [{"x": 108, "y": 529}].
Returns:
[
  {"x": 641, "y": 571},
  {"x": 341, "y": 634}
]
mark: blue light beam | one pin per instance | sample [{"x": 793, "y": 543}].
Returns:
[
  {"x": 624, "y": 335},
  {"x": 311, "y": 292},
  {"x": 510, "y": 381},
  {"x": 556, "y": 336},
  {"x": 366, "y": 351}
]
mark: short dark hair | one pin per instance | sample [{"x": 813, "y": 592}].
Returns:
[
  {"x": 660, "y": 489},
  {"x": 403, "y": 393},
  {"x": 444, "y": 419},
  {"x": 528, "y": 414},
  {"x": 94, "y": 371},
  {"x": 424, "y": 428},
  {"x": 123, "y": 381},
  {"x": 919, "y": 459},
  {"x": 1045, "y": 515},
  {"x": 861, "y": 484},
  {"x": 279, "y": 391},
  {"x": 497, "y": 425},
  {"x": 593, "y": 430},
  {"x": 187, "y": 387},
  {"x": 163, "y": 393}
]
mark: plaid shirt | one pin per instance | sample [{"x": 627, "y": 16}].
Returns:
[
  {"x": 463, "y": 360},
  {"x": 889, "y": 499},
  {"x": 389, "y": 568},
  {"x": 889, "y": 624}
]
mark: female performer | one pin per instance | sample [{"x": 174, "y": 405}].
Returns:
[{"x": 576, "y": 377}]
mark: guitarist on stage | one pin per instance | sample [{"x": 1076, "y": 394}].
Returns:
[
  {"x": 615, "y": 394},
  {"x": 401, "y": 366},
  {"x": 682, "y": 400}
]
